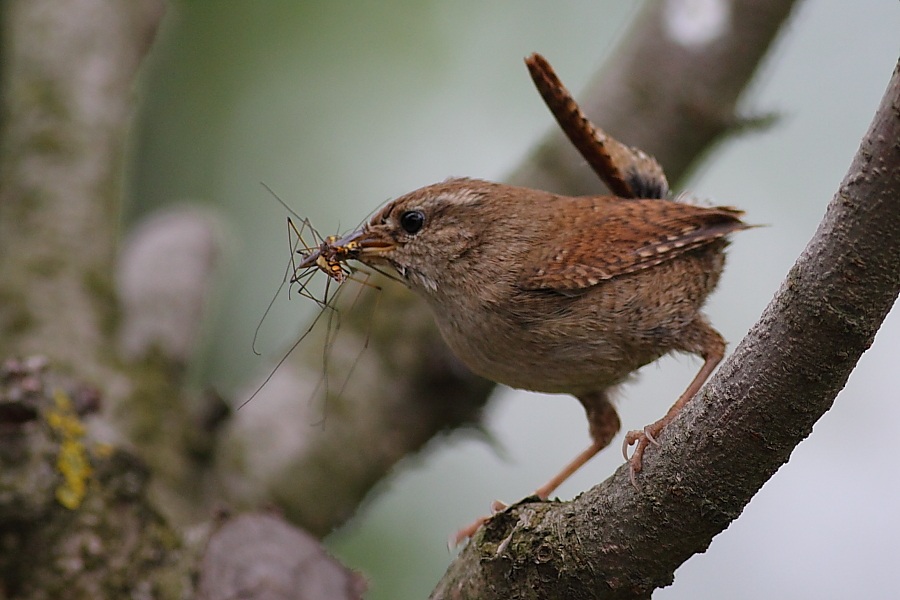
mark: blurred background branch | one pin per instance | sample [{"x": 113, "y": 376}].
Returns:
[{"x": 68, "y": 73}]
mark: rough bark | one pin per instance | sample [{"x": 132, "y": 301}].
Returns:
[
  {"x": 68, "y": 72},
  {"x": 68, "y": 85},
  {"x": 616, "y": 541},
  {"x": 75, "y": 519}
]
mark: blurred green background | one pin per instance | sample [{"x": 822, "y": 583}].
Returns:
[{"x": 339, "y": 107}]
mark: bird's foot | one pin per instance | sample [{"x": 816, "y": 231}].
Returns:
[{"x": 640, "y": 439}]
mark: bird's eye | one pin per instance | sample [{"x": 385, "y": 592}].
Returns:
[{"x": 412, "y": 221}]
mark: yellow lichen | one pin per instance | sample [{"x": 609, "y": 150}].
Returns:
[{"x": 72, "y": 461}]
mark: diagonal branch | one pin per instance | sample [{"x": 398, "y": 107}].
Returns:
[{"x": 764, "y": 400}]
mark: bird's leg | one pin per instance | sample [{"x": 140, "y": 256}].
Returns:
[
  {"x": 702, "y": 339},
  {"x": 604, "y": 424}
]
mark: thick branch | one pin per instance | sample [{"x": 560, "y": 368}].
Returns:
[
  {"x": 74, "y": 514},
  {"x": 68, "y": 93},
  {"x": 77, "y": 523},
  {"x": 68, "y": 72},
  {"x": 400, "y": 407},
  {"x": 618, "y": 542}
]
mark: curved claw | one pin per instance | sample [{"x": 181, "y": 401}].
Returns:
[
  {"x": 649, "y": 436},
  {"x": 635, "y": 436},
  {"x": 642, "y": 439}
]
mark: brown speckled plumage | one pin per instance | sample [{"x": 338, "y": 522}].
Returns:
[
  {"x": 559, "y": 294},
  {"x": 573, "y": 301}
]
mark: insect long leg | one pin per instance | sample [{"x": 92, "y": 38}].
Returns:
[
  {"x": 368, "y": 330},
  {"x": 329, "y": 255},
  {"x": 331, "y": 332},
  {"x": 302, "y": 281},
  {"x": 266, "y": 313},
  {"x": 331, "y": 340},
  {"x": 286, "y": 355},
  {"x": 293, "y": 273},
  {"x": 290, "y": 271}
]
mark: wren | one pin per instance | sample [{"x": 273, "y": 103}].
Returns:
[{"x": 559, "y": 294}]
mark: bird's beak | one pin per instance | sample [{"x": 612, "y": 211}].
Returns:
[{"x": 366, "y": 242}]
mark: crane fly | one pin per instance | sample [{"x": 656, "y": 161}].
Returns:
[{"x": 329, "y": 255}]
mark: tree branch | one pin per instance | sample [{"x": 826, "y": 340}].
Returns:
[
  {"x": 67, "y": 95},
  {"x": 77, "y": 520},
  {"x": 75, "y": 517},
  {"x": 68, "y": 92},
  {"x": 618, "y": 542},
  {"x": 67, "y": 102}
]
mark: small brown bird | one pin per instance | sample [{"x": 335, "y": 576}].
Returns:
[{"x": 559, "y": 294}]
